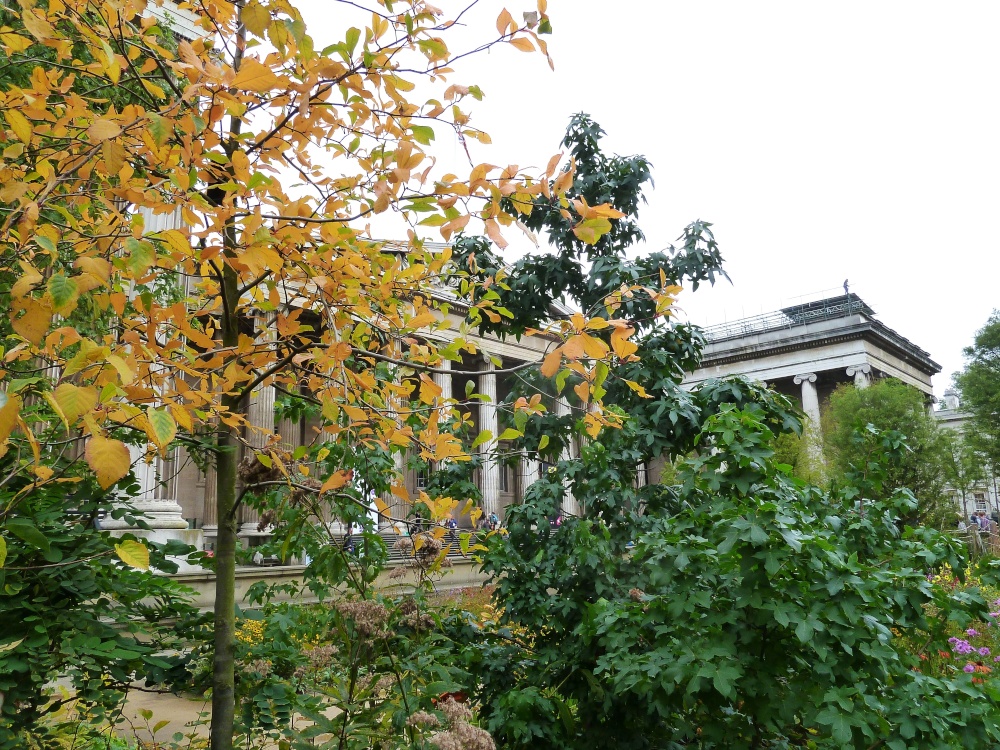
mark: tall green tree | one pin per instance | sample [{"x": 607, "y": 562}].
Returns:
[
  {"x": 890, "y": 405},
  {"x": 979, "y": 384}
]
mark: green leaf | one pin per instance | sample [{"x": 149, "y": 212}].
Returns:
[
  {"x": 353, "y": 35},
  {"x": 543, "y": 443},
  {"x": 481, "y": 438},
  {"x": 422, "y": 134},
  {"x": 3, "y": 551},
  {"x": 27, "y": 532},
  {"x": 142, "y": 255},
  {"x": 64, "y": 292},
  {"x": 510, "y": 434},
  {"x": 162, "y": 428}
]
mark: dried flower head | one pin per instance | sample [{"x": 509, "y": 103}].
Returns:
[
  {"x": 422, "y": 719},
  {"x": 454, "y": 711},
  {"x": 369, "y": 617},
  {"x": 636, "y": 594}
]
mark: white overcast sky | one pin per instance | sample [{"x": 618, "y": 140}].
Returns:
[{"x": 824, "y": 141}]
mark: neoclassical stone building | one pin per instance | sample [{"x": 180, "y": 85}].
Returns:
[{"x": 806, "y": 351}]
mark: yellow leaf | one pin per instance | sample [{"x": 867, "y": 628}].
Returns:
[
  {"x": 522, "y": 44},
  {"x": 254, "y": 76},
  {"x": 176, "y": 239},
  {"x": 583, "y": 391},
  {"x": 493, "y": 231},
  {"x": 75, "y": 401},
  {"x": 15, "y": 42},
  {"x": 19, "y": 124},
  {"x": 606, "y": 211},
  {"x": 182, "y": 417},
  {"x": 594, "y": 347},
  {"x": 8, "y": 416},
  {"x": 103, "y": 129},
  {"x": 37, "y": 27},
  {"x": 124, "y": 371},
  {"x": 109, "y": 459},
  {"x": 259, "y": 258},
  {"x": 241, "y": 166},
  {"x": 161, "y": 427},
  {"x": 114, "y": 155},
  {"x": 623, "y": 348},
  {"x": 94, "y": 266},
  {"x": 134, "y": 554},
  {"x": 255, "y": 17},
  {"x": 422, "y": 320},
  {"x": 429, "y": 390},
  {"x": 26, "y": 282},
  {"x": 35, "y": 321},
  {"x": 637, "y": 388}
]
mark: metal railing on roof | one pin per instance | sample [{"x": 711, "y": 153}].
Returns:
[{"x": 789, "y": 317}]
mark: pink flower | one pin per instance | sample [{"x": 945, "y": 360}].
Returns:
[
  {"x": 969, "y": 668},
  {"x": 972, "y": 632}
]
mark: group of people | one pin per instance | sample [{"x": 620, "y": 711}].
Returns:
[{"x": 986, "y": 529}]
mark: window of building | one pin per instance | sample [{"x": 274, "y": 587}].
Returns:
[{"x": 980, "y": 500}]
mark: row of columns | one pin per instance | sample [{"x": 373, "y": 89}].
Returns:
[{"x": 810, "y": 407}]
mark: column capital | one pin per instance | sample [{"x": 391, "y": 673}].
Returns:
[
  {"x": 864, "y": 369},
  {"x": 803, "y": 377}
]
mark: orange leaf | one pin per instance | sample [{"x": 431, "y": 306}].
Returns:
[
  {"x": 550, "y": 366},
  {"x": 338, "y": 479}
]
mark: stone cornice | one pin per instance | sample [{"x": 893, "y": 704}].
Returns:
[{"x": 869, "y": 330}]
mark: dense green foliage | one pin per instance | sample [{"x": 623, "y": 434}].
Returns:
[
  {"x": 890, "y": 405},
  {"x": 735, "y": 608},
  {"x": 73, "y": 611}
]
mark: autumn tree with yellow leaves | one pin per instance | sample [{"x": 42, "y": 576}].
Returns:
[{"x": 185, "y": 219}]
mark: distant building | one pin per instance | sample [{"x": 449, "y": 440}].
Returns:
[{"x": 984, "y": 495}]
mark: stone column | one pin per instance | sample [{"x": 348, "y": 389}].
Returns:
[
  {"x": 290, "y": 432},
  {"x": 488, "y": 421},
  {"x": 861, "y": 373},
  {"x": 158, "y": 509},
  {"x": 210, "y": 519},
  {"x": 569, "y": 505},
  {"x": 260, "y": 414},
  {"x": 443, "y": 380},
  {"x": 811, "y": 429},
  {"x": 395, "y": 505}
]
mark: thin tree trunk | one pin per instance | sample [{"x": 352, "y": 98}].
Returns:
[{"x": 223, "y": 666}]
